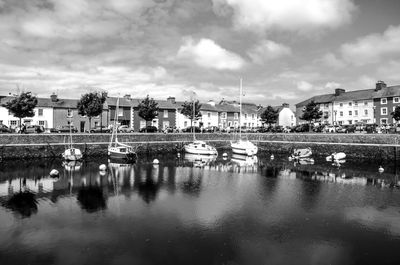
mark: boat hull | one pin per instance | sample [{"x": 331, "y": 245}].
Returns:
[
  {"x": 335, "y": 157},
  {"x": 244, "y": 148},
  {"x": 200, "y": 148},
  {"x": 115, "y": 153},
  {"x": 72, "y": 154}
]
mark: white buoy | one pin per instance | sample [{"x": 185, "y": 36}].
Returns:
[
  {"x": 155, "y": 161},
  {"x": 224, "y": 155},
  {"x": 381, "y": 169},
  {"x": 54, "y": 173},
  {"x": 272, "y": 157},
  {"x": 102, "y": 167}
]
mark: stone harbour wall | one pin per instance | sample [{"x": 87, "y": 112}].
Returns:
[{"x": 374, "y": 146}]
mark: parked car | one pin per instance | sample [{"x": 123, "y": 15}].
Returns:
[
  {"x": 99, "y": 129},
  {"x": 371, "y": 128},
  {"x": 34, "y": 129},
  {"x": 149, "y": 129},
  {"x": 66, "y": 129},
  {"x": 211, "y": 129},
  {"x": 5, "y": 129},
  {"x": 189, "y": 129},
  {"x": 125, "y": 129}
]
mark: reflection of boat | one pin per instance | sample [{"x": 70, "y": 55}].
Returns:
[
  {"x": 200, "y": 148},
  {"x": 243, "y": 146},
  {"x": 301, "y": 153},
  {"x": 336, "y": 156},
  {"x": 200, "y": 160},
  {"x": 306, "y": 161},
  {"x": 72, "y": 165},
  {"x": 244, "y": 160},
  {"x": 115, "y": 148}
]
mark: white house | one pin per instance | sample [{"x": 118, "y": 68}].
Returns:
[
  {"x": 209, "y": 114},
  {"x": 286, "y": 117},
  {"x": 43, "y": 114}
]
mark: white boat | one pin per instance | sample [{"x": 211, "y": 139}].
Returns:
[
  {"x": 336, "y": 156},
  {"x": 243, "y": 146},
  {"x": 119, "y": 150},
  {"x": 199, "y": 147},
  {"x": 301, "y": 153},
  {"x": 71, "y": 153}
]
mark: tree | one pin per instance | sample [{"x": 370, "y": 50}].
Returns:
[
  {"x": 22, "y": 106},
  {"x": 148, "y": 109},
  {"x": 396, "y": 114},
  {"x": 91, "y": 105},
  {"x": 187, "y": 110},
  {"x": 269, "y": 115},
  {"x": 311, "y": 113}
]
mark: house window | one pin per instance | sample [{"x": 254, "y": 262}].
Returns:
[
  {"x": 350, "y": 122},
  {"x": 340, "y": 104},
  {"x": 13, "y": 123},
  {"x": 396, "y": 100},
  {"x": 340, "y": 122},
  {"x": 235, "y": 116},
  {"x": 365, "y": 112},
  {"x": 341, "y": 114},
  {"x": 366, "y": 103},
  {"x": 208, "y": 114},
  {"x": 70, "y": 113},
  {"x": 185, "y": 124},
  {"x": 142, "y": 124},
  {"x": 165, "y": 114},
  {"x": 40, "y": 112},
  {"x": 253, "y": 116},
  {"x": 383, "y": 111},
  {"x": 383, "y": 101},
  {"x": 245, "y": 115},
  {"x": 355, "y": 103},
  {"x": 356, "y": 113},
  {"x": 350, "y": 113},
  {"x": 350, "y": 104},
  {"x": 223, "y": 115},
  {"x": 384, "y": 121},
  {"x": 42, "y": 123}
]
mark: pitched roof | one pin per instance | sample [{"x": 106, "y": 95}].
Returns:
[
  {"x": 350, "y": 95},
  {"x": 123, "y": 102},
  {"x": 391, "y": 91}
]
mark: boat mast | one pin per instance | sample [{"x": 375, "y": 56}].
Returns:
[
  {"x": 70, "y": 133},
  {"x": 114, "y": 131},
  {"x": 193, "y": 130},
  {"x": 240, "y": 110}
]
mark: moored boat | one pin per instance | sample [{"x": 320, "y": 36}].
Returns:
[
  {"x": 301, "y": 153},
  {"x": 336, "y": 156},
  {"x": 200, "y": 148}
]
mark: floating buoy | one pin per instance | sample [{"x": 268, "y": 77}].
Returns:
[
  {"x": 224, "y": 155},
  {"x": 380, "y": 169},
  {"x": 272, "y": 157},
  {"x": 155, "y": 161},
  {"x": 54, "y": 173},
  {"x": 102, "y": 167}
]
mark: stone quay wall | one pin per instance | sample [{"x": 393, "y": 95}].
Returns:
[{"x": 374, "y": 146}]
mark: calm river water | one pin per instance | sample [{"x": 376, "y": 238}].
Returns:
[{"x": 234, "y": 211}]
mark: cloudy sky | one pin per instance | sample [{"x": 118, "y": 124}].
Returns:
[{"x": 285, "y": 50}]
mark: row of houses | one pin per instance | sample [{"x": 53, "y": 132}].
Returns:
[
  {"x": 54, "y": 112},
  {"x": 367, "y": 106}
]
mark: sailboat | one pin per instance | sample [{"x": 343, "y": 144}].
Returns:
[
  {"x": 199, "y": 147},
  {"x": 71, "y": 153},
  {"x": 116, "y": 149},
  {"x": 243, "y": 146}
]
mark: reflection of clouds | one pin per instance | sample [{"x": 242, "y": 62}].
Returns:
[{"x": 373, "y": 218}]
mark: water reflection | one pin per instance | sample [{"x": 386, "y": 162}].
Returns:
[{"x": 241, "y": 210}]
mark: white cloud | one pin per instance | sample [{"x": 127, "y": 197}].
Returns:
[
  {"x": 332, "y": 61},
  {"x": 373, "y": 48},
  {"x": 268, "y": 50},
  {"x": 206, "y": 53},
  {"x": 304, "y": 86},
  {"x": 289, "y": 15},
  {"x": 332, "y": 85}
]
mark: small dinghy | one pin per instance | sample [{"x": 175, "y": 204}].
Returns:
[
  {"x": 301, "y": 153},
  {"x": 336, "y": 156}
]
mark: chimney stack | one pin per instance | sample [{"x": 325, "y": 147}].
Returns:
[
  {"x": 339, "y": 91},
  {"x": 171, "y": 100},
  {"x": 379, "y": 85},
  {"x": 54, "y": 98}
]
